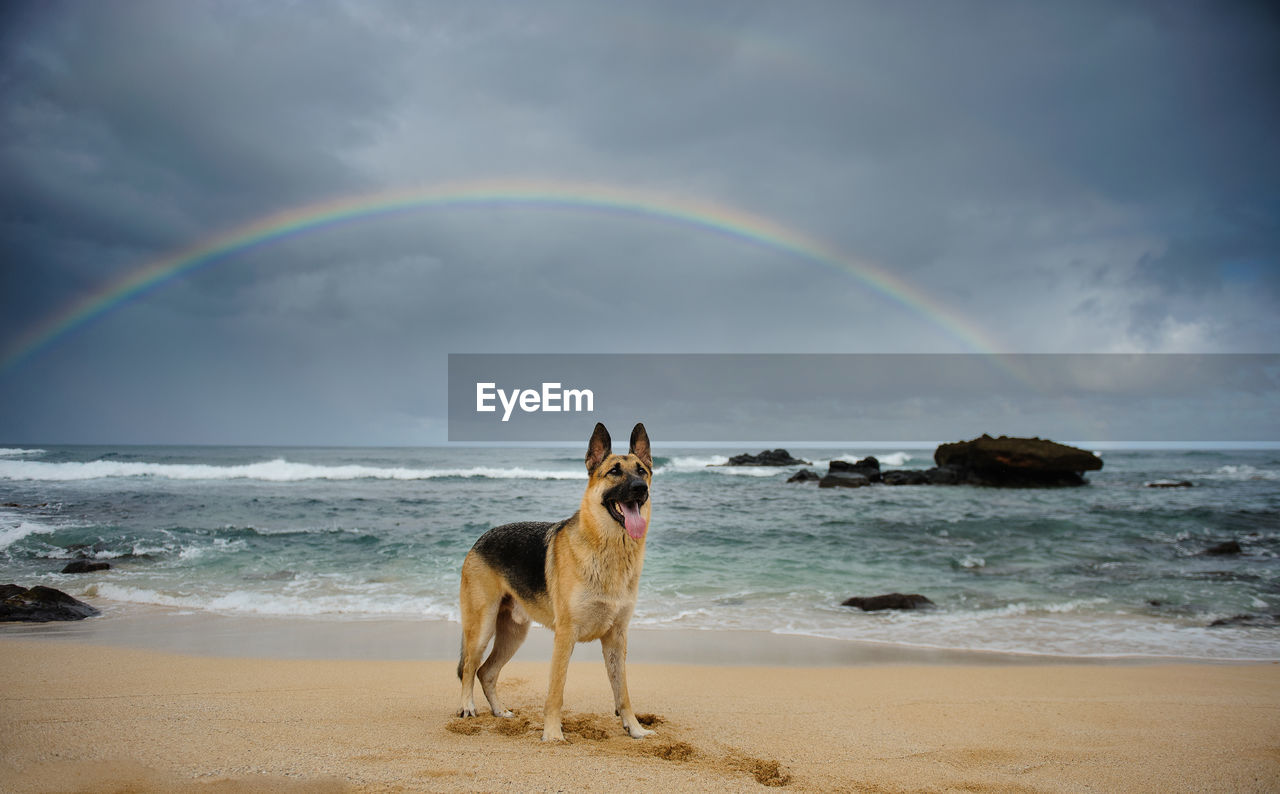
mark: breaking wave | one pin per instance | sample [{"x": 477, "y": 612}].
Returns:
[
  {"x": 277, "y": 470},
  {"x": 890, "y": 459},
  {"x": 1242, "y": 472},
  {"x": 15, "y": 527}
]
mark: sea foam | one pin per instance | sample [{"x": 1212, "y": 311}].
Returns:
[
  {"x": 691, "y": 464},
  {"x": 372, "y": 603},
  {"x": 277, "y": 470}
]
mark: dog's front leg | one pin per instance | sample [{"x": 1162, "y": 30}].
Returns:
[
  {"x": 564, "y": 642},
  {"x": 614, "y": 645}
]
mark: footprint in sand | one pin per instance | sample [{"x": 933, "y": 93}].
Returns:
[{"x": 596, "y": 729}]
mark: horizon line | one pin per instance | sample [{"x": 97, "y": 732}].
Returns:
[{"x": 1099, "y": 444}]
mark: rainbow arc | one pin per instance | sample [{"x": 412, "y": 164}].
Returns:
[{"x": 702, "y": 215}]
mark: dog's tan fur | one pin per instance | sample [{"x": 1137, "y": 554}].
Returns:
[{"x": 592, "y": 573}]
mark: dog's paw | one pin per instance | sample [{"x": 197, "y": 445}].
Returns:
[
  {"x": 638, "y": 732},
  {"x": 552, "y": 735},
  {"x": 506, "y": 714},
  {"x": 467, "y": 711}
]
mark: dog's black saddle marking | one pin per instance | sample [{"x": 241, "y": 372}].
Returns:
[{"x": 519, "y": 552}]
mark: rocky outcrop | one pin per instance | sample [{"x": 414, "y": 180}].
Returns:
[
  {"x": 1017, "y": 462},
  {"x": 888, "y": 601},
  {"x": 40, "y": 605},
  {"x": 1003, "y": 461},
  {"x": 769, "y": 457}
]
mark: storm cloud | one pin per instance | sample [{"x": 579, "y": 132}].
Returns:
[{"x": 1083, "y": 178}]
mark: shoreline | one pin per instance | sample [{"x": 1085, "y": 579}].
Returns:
[{"x": 211, "y": 634}]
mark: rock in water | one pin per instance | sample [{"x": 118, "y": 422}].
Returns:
[
  {"x": 1017, "y": 462},
  {"x": 1224, "y": 548},
  {"x": 868, "y": 467},
  {"x": 888, "y": 601},
  {"x": 804, "y": 475},
  {"x": 843, "y": 474},
  {"x": 769, "y": 457},
  {"x": 84, "y": 566},
  {"x": 843, "y": 480},
  {"x": 947, "y": 475},
  {"x": 40, "y": 605},
  {"x": 905, "y": 477}
]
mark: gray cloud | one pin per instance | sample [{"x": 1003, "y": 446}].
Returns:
[{"x": 1066, "y": 178}]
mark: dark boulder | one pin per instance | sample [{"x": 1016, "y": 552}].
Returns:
[
  {"x": 905, "y": 477},
  {"x": 804, "y": 475},
  {"x": 1017, "y": 462},
  {"x": 947, "y": 475},
  {"x": 40, "y": 604},
  {"x": 843, "y": 480},
  {"x": 868, "y": 467},
  {"x": 86, "y": 566},
  {"x": 843, "y": 474},
  {"x": 1223, "y": 549},
  {"x": 888, "y": 601},
  {"x": 769, "y": 457}
]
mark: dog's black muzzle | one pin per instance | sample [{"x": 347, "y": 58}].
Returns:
[{"x": 635, "y": 491}]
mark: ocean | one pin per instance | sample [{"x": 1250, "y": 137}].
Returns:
[{"x": 1111, "y": 569}]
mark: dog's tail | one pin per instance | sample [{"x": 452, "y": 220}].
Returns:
[{"x": 462, "y": 655}]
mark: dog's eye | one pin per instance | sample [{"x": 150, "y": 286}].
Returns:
[{"x": 616, "y": 470}]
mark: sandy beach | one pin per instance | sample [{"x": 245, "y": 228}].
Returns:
[{"x": 84, "y": 715}]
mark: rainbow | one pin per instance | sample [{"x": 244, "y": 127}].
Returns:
[{"x": 681, "y": 210}]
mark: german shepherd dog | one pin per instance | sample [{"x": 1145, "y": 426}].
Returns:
[{"x": 577, "y": 577}]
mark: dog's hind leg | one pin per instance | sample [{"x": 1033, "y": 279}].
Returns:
[
  {"x": 511, "y": 628},
  {"x": 479, "y": 620}
]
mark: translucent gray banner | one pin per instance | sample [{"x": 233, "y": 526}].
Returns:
[{"x": 866, "y": 397}]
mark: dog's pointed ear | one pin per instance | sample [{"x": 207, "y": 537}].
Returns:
[
  {"x": 599, "y": 447},
  {"x": 640, "y": 444}
]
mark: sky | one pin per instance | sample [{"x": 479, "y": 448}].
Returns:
[{"x": 648, "y": 177}]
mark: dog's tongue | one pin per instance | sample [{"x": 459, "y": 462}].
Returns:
[{"x": 635, "y": 523}]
